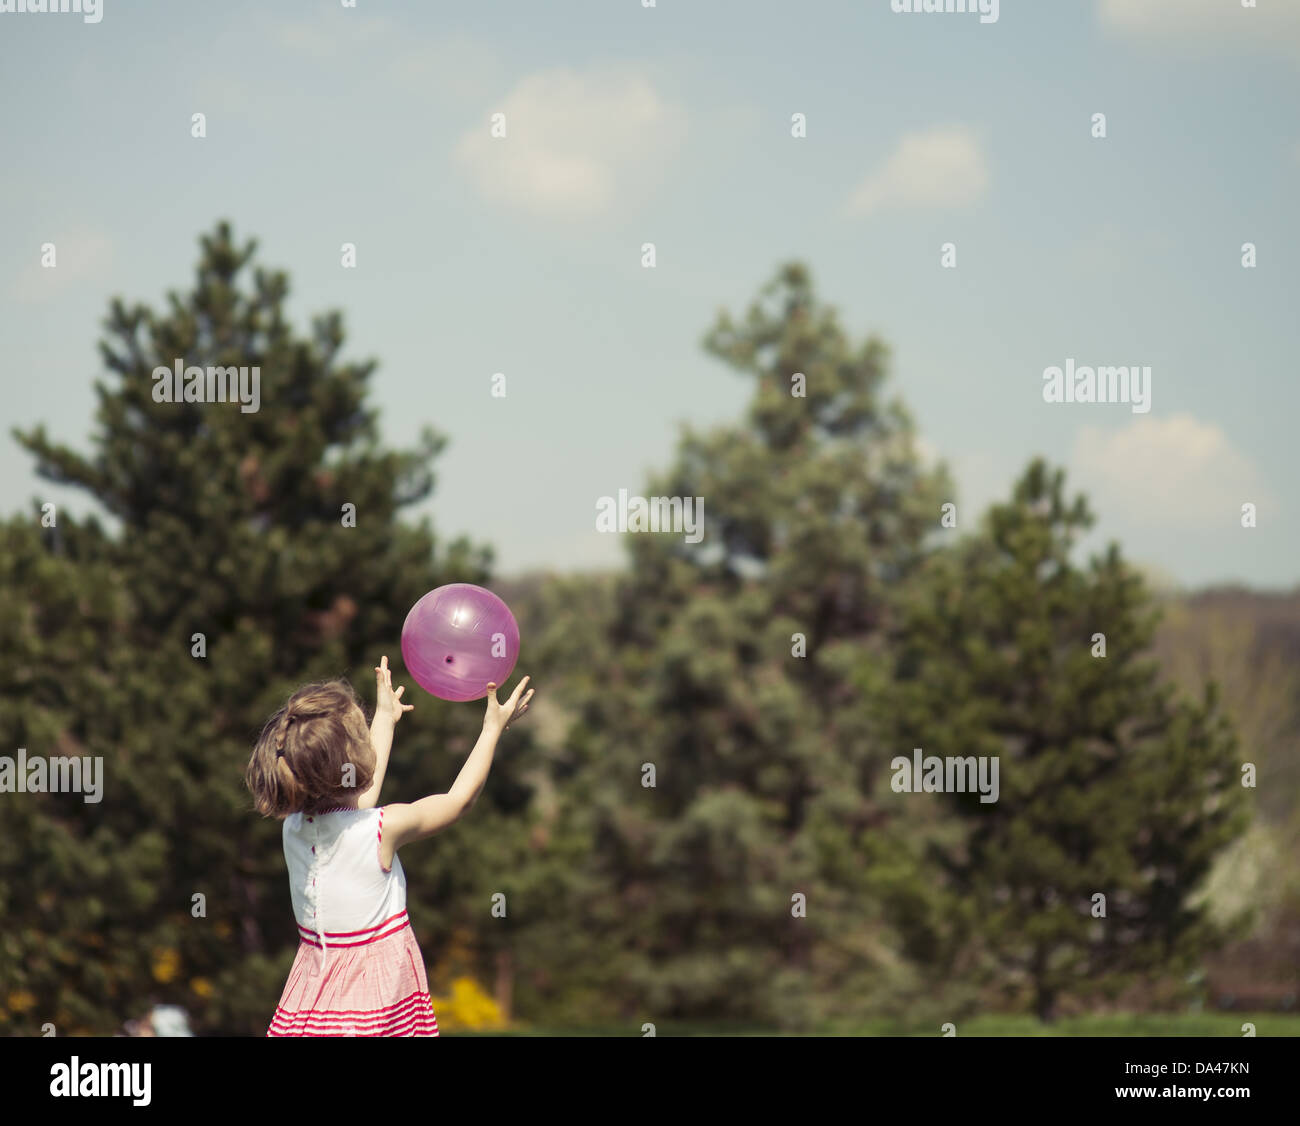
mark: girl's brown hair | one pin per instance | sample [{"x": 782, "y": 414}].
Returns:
[{"x": 300, "y": 763}]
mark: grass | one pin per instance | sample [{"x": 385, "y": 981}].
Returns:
[{"x": 1110, "y": 1024}]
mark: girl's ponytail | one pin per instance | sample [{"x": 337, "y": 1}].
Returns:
[
  {"x": 304, "y": 753},
  {"x": 282, "y": 731}
]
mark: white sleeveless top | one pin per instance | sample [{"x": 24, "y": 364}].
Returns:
[{"x": 341, "y": 895}]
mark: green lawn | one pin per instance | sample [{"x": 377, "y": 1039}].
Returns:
[{"x": 1120, "y": 1024}]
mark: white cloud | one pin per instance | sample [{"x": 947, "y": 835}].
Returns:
[
  {"x": 942, "y": 167},
  {"x": 575, "y": 143},
  {"x": 1175, "y": 472},
  {"x": 79, "y": 255},
  {"x": 1219, "y": 24}
]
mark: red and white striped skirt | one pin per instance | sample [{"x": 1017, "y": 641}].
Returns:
[{"x": 369, "y": 983}]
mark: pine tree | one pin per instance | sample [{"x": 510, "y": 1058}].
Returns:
[
  {"x": 1109, "y": 785},
  {"x": 71, "y": 878},
  {"x": 729, "y": 674},
  {"x": 251, "y": 551}
]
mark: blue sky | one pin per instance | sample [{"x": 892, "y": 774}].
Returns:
[{"x": 672, "y": 125}]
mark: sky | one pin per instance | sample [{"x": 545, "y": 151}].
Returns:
[{"x": 672, "y": 124}]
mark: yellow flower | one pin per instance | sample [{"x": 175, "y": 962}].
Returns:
[
  {"x": 19, "y": 1001},
  {"x": 165, "y": 965},
  {"x": 202, "y": 986},
  {"x": 467, "y": 1007}
]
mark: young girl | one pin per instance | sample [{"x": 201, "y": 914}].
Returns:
[{"x": 359, "y": 971}]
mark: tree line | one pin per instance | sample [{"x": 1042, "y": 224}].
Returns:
[{"x": 701, "y": 823}]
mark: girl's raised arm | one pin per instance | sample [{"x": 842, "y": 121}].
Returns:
[
  {"x": 413, "y": 822},
  {"x": 388, "y": 710}
]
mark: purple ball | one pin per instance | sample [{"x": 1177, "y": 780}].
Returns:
[{"x": 457, "y": 638}]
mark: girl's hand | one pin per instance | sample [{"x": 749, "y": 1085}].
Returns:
[
  {"x": 387, "y": 702},
  {"x": 500, "y": 716}
]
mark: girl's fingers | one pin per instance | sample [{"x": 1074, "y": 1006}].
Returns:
[{"x": 522, "y": 705}]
